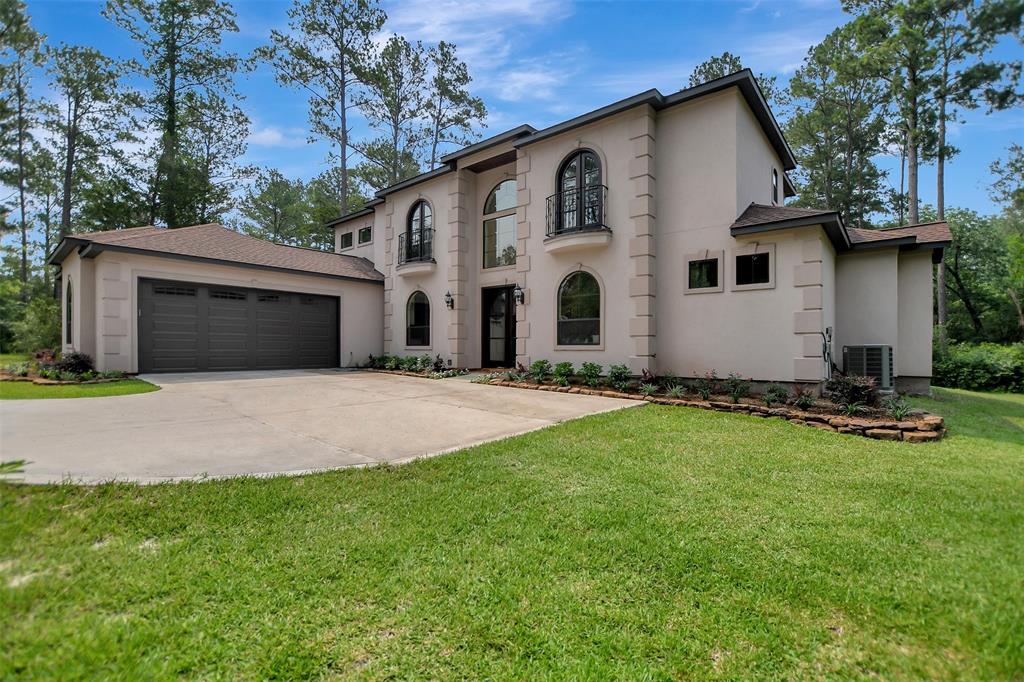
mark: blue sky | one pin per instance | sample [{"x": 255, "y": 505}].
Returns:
[{"x": 542, "y": 61}]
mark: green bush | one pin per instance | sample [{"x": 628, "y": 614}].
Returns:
[
  {"x": 618, "y": 377},
  {"x": 540, "y": 370},
  {"x": 981, "y": 367},
  {"x": 39, "y": 326},
  {"x": 773, "y": 393},
  {"x": 563, "y": 372},
  {"x": 847, "y": 389},
  {"x": 706, "y": 385},
  {"x": 591, "y": 373},
  {"x": 73, "y": 363},
  {"x": 803, "y": 397},
  {"x": 736, "y": 386},
  {"x": 647, "y": 389}
]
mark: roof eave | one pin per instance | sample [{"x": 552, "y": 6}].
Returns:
[
  {"x": 487, "y": 143},
  {"x": 830, "y": 222}
]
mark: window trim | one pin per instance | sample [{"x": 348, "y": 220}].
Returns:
[
  {"x": 600, "y": 346},
  {"x": 430, "y": 322},
  {"x": 359, "y": 242},
  {"x": 484, "y": 217},
  {"x": 68, "y": 314},
  {"x": 749, "y": 250},
  {"x": 341, "y": 238},
  {"x": 704, "y": 255},
  {"x": 420, "y": 201}
]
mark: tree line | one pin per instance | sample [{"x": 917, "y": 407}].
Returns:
[{"x": 158, "y": 139}]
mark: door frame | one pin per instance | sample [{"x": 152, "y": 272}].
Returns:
[{"x": 510, "y": 327}]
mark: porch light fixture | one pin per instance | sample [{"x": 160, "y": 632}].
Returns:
[
  {"x": 449, "y": 300},
  {"x": 519, "y": 295}
]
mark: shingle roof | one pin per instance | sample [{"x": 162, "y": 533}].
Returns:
[
  {"x": 760, "y": 214},
  {"x": 924, "y": 233},
  {"x": 217, "y": 243},
  {"x": 761, "y": 218}
]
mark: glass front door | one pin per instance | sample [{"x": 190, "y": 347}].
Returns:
[{"x": 499, "y": 328}]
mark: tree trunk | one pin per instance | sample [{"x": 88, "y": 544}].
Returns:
[
  {"x": 343, "y": 66},
  {"x": 912, "y": 149},
  {"x": 69, "y": 168},
  {"x": 940, "y": 210},
  {"x": 903, "y": 177},
  {"x": 1020, "y": 310},
  {"x": 169, "y": 160},
  {"x": 965, "y": 297},
  {"x": 23, "y": 223}
]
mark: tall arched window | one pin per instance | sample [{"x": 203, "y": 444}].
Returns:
[
  {"x": 417, "y": 320},
  {"x": 67, "y": 314},
  {"x": 579, "y": 310},
  {"x": 419, "y": 234},
  {"x": 500, "y": 225},
  {"x": 580, "y": 191},
  {"x": 775, "y": 186}
]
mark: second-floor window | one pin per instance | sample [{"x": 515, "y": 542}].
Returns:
[
  {"x": 346, "y": 241},
  {"x": 419, "y": 233},
  {"x": 775, "y": 186},
  {"x": 579, "y": 183},
  {"x": 500, "y": 225}
]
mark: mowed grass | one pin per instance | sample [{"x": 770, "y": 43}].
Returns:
[
  {"x": 26, "y": 390},
  {"x": 649, "y": 543},
  {"x": 11, "y": 358}
]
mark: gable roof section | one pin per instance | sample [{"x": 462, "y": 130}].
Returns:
[
  {"x": 524, "y": 135},
  {"x": 761, "y": 218},
  {"x": 217, "y": 244}
]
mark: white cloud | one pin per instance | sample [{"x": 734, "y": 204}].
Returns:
[{"x": 272, "y": 136}]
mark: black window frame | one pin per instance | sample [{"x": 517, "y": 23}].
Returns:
[
  {"x": 581, "y": 205},
  {"x": 775, "y": 186},
  {"x": 369, "y": 235},
  {"x": 563, "y": 321},
  {"x": 748, "y": 268},
  {"x": 715, "y": 285},
  {"x": 341, "y": 244},
  {"x": 409, "y": 315},
  {"x": 68, "y": 318}
]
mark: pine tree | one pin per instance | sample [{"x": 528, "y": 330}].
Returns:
[
  {"x": 450, "y": 108},
  {"x": 273, "y": 208}
]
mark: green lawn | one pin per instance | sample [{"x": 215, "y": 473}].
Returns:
[
  {"x": 21, "y": 390},
  {"x": 650, "y": 543},
  {"x": 11, "y": 358}
]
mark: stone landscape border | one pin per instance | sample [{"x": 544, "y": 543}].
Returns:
[{"x": 921, "y": 429}]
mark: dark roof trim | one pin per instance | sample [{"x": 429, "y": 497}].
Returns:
[
  {"x": 89, "y": 249},
  {"x": 487, "y": 143},
  {"x": 415, "y": 180},
  {"x": 880, "y": 243},
  {"x": 831, "y": 222},
  {"x": 744, "y": 80},
  {"x": 366, "y": 210},
  {"x": 788, "y": 188}
]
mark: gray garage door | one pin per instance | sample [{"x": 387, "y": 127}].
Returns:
[{"x": 189, "y": 327}]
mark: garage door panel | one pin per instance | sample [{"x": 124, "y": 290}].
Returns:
[{"x": 193, "y": 327}]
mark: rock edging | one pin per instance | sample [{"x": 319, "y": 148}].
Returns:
[{"x": 923, "y": 429}]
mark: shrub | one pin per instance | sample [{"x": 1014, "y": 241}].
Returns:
[
  {"x": 706, "y": 385},
  {"x": 67, "y": 376},
  {"x": 677, "y": 391},
  {"x": 618, "y": 377},
  {"x": 439, "y": 364},
  {"x": 647, "y": 389},
  {"x": 896, "y": 407},
  {"x": 426, "y": 363},
  {"x": 803, "y": 397},
  {"x": 513, "y": 375},
  {"x": 852, "y": 409},
  {"x": 736, "y": 386},
  {"x": 981, "y": 367},
  {"x": 114, "y": 374},
  {"x": 75, "y": 363},
  {"x": 540, "y": 370},
  {"x": 845, "y": 389},
  {"x": 410, "y": 363},
  {"x": 392, "y": 362},
  {"x": 18, "y": 369},
  {"x": 591, "y": 373},
  {"x": 669, "y": 381},
  {"x": 39, "y": 326},
  {"x": 486, "y": 378},
  {"x": 563, "y": 372},
  {"x": 773, "y": 393}
]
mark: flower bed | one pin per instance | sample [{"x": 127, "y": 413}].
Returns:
[
  {"x": 914, "y": 427},
  {"x": 46, "y": 368}
]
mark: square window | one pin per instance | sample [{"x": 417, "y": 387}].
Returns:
[
  {"x": 754, "y": 268},
  {"x": 346, "y": 240},
  {"x": 703, "y": 274},
  {"x": 365, "y": 234}
]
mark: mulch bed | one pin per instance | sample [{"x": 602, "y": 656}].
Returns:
[{"x": 917, "y": 428}]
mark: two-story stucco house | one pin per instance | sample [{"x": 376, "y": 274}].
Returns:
[{"x": 650, "y": 232}]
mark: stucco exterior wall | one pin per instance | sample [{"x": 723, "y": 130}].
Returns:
[
  {"x": 112, "y": 291},
  {"x": 78, "y": 274},
  {"x": 755, "y": 160},
  {"x": 914, "y": 308},
  {"x": 867, "y": 286},
  {"x": 365, "y": 250}
]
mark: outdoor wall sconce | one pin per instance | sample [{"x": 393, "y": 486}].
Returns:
[
  {"x": 449, "y": 300},
  {"x": 519, "y": 295}
]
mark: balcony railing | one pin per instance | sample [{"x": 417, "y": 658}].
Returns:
[
  {"x": 416, "y": 247},
  {"x": 575, "y": 210}
]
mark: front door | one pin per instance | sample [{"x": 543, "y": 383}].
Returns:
[{"x": 499, "y": 327}]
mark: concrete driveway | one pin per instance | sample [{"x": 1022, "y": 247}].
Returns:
[{"x": 261, "y": 423}]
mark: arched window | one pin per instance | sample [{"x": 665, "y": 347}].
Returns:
[
  {"x": 775, "y": 186},
  {"x": 580, "y": 191},
  {"x": 579, "y": 310},
  {"x": 67, "y": 314},
  {"x": 419, "y": 234},
  {"x": 417, "y": 320},
  {"x": 500, "y": 225}
]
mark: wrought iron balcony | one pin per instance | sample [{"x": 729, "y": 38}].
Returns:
[
  {"x": 416, "y": 247},
  {"x": 576, "y": 210}
]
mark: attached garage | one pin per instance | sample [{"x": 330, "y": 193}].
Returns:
[
  {"x": 193, "y": 327},
  {"x": 207, "y": 299}
]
